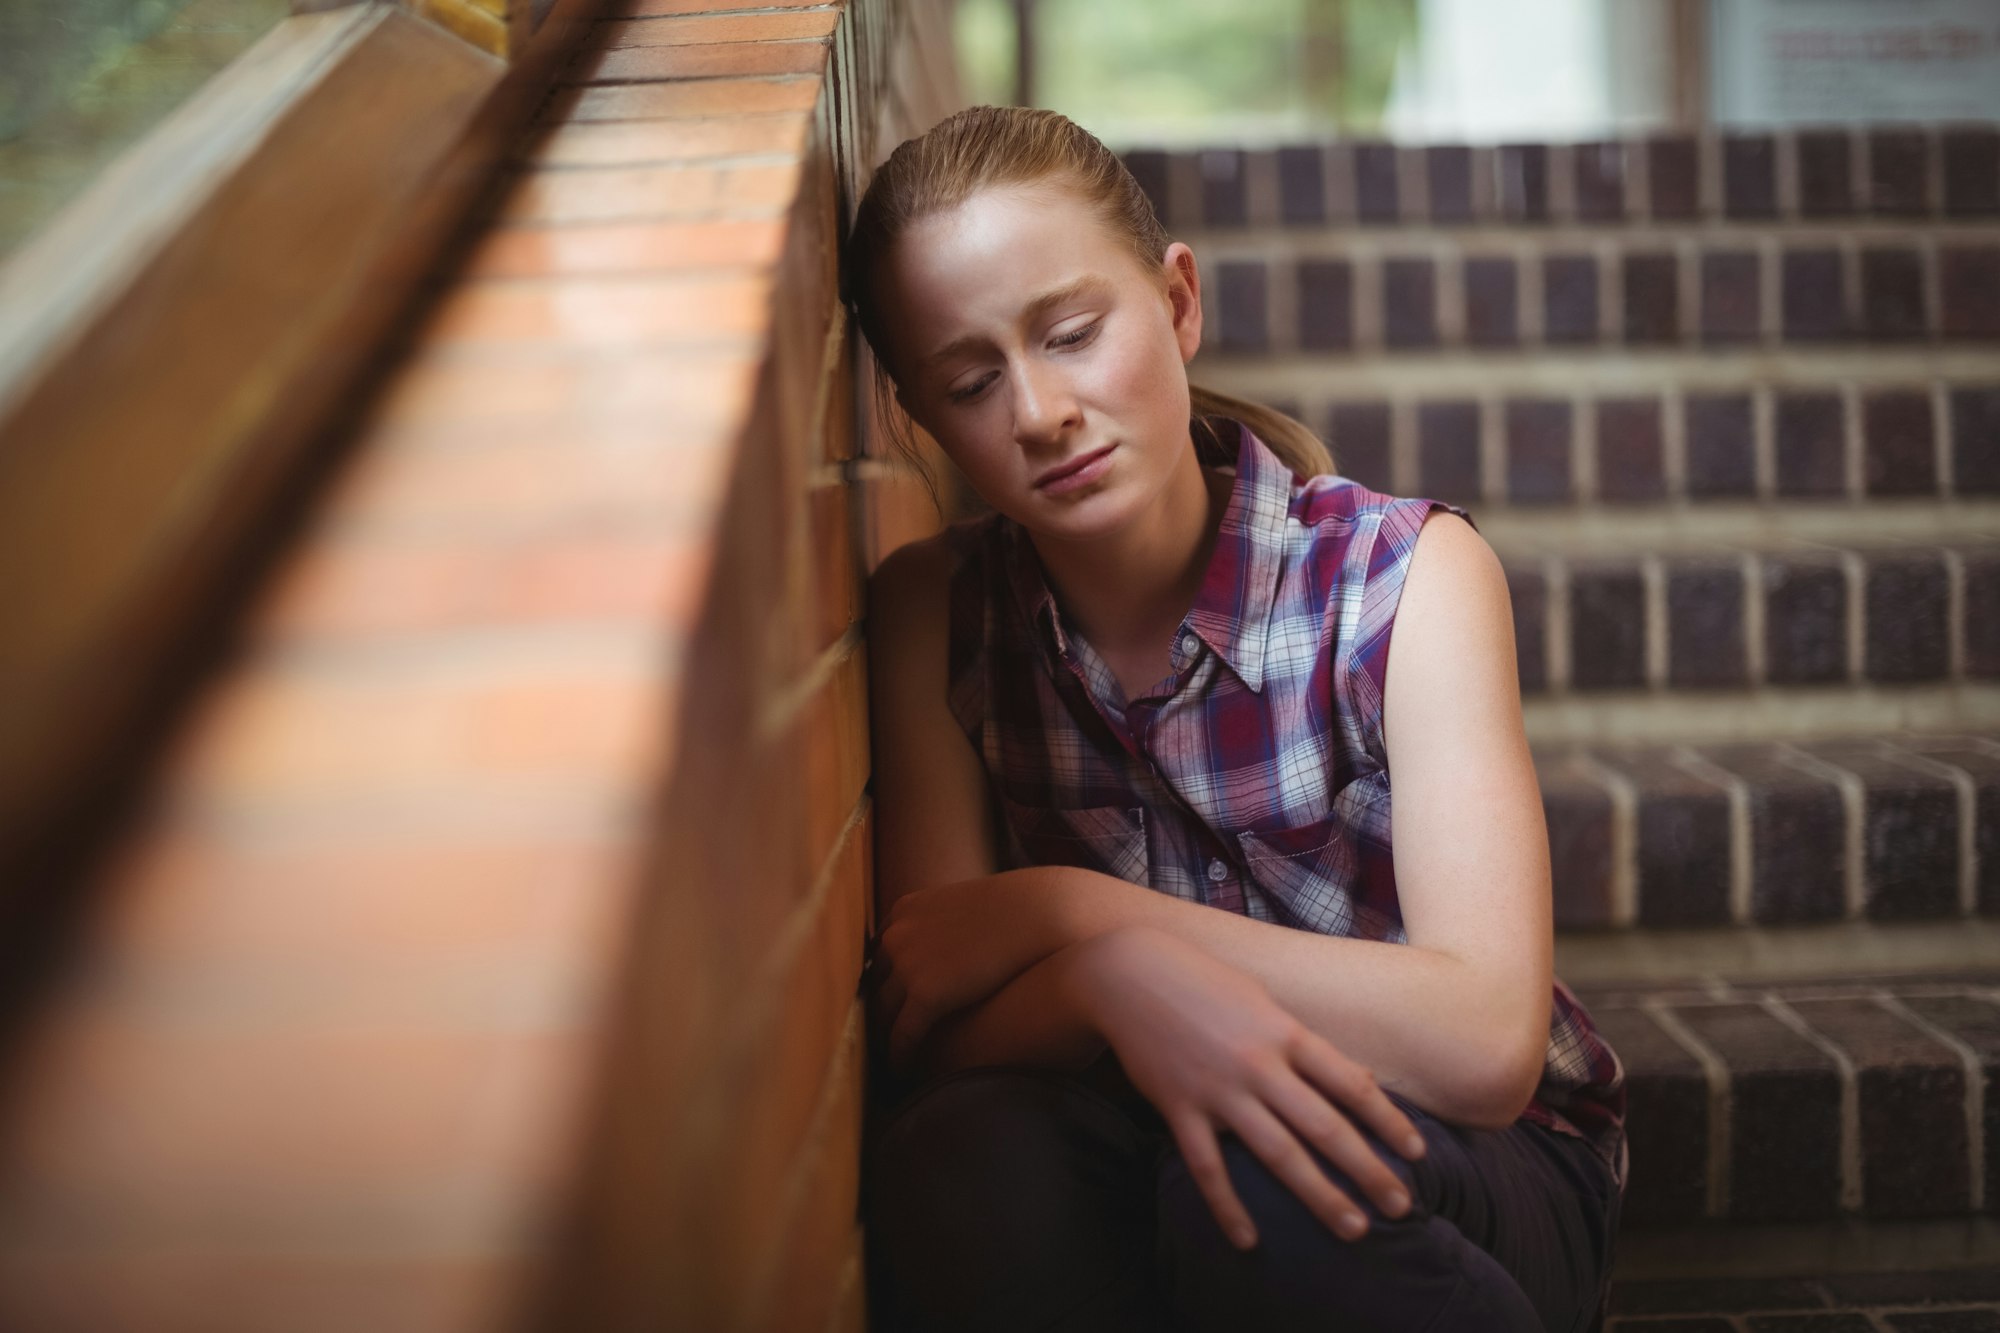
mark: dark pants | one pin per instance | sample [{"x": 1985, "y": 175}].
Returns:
[{"x": 1031, "y": 1201}]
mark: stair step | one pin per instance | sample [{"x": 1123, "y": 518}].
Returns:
[
  {"x": 1827, "y": 175},
  {"x": 1692, "y": 958},
  {"x": 1916, "y": 1300},
  {"x": 1808, "y": 1101},
  {"x": 1545, "y": 436},
  {"x": 1743, "y": 615},
  {"x": 1897, "y": 828},
  {"x": 1414, "y": 294}
]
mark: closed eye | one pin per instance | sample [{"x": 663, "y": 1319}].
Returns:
[{"x": 1073, "y": 339}]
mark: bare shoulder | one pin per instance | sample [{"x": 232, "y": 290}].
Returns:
[
  {"x": 1454, "y": 635},
  {"x": 912, "y": 580},
  {"x": 909, "y": 606},
  {"x": 929, "y": 783},
  {"x": 1453, "y": 574}
]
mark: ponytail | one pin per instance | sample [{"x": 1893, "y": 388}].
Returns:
[{"x": 1290, "y": 439}]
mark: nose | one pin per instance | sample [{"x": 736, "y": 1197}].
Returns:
[{"x": 1045, "y": 407}]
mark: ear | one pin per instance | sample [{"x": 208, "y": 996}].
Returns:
[{"x": 1183, "y": 278}]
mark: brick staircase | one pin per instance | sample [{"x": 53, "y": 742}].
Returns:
[{"x": 1729, "y": 409}]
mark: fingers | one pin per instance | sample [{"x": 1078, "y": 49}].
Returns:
[
  {"x": 1279, "y": 1149},
  {"x": 1306, "y": 1110},
  {"x": 1353, "y": 1087},
  {"x": 1196, "y": 1139},
  {"x": 907, "y": 1030}
]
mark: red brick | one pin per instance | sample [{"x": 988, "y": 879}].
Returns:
[
  {"x": 695, "y": 29},
  {"x": 1376, "y": 194},
  {"x": 1448, "y": 170},
  {"x": 1326, "y": 304},
  {"x": 1600, "y": 181},
  {"x": 1826, "y": 173},
  {"x": 1224, "y": 190},
  {"x": 850, "y": 1313},
  {"x": 1538, "y": 433},
  {"x": 1892, "y": 293},
  {"x": 771, "y": 1088},
  {"x": 279, "y": 1114},
  {"x": 177, "y": 1291},
  {"x": 835, "y": 732},
  {"x": 1630, "y": 450},
  {"x": 717, "y": 60},
  {"x": 1448, "y": 450},
  {"x": 1360, "y": 438},
  {"x": 1813, "y": 300},
  {"x": 539, "y": 485},
  {"x": 1652, "y": 298},
  {"x": 1580, "y": 820},
  {"x": 442, "y": 390},
  {"x": 703, "y": 97},
  {"x": 1969, "y": 280},
  {"x": 388, "y": 726},
  {"x": 1607, "y": 612},
  {"x": 1731, "y": 308},
  {"x": 627, "y": 194},
  {"x": 1749, "y": 175},
  {"x": 1899, "y": 453},
  {"x": 636, "y": 247},
  {"x": 806, "y": 1263},
  {"x": 836, "y": 571},
  {"x": 383, "y": 894},
  {"x": 363, "y": 586},
  {"x": 604, "y": 313},
  {"x": 1492, "y": 303},
  {"x": 1971, "y": 170},
  {"x": 629, "y": 143},
  {"x": 1673, "y": 176},
  {"x": 899, "y": 511},
  {"x": 1521, "y": 181},
  {"x": 1242, "y": 305},
  {"x": 1409, "y": 303},
  {"x": 1898, "y": 168}
]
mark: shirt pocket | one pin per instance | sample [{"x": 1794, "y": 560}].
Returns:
[
  {"x": 1110, "y": 839},
  {"x": 1310, "y": 873}
]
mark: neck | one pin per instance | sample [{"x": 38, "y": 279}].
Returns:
[{"x": 1131, "y": 588}]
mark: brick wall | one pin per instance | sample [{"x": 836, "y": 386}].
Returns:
[{"x": 485, "y": 951}]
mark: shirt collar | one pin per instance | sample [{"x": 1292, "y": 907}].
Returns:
[{"x": 1232, "y": 611}]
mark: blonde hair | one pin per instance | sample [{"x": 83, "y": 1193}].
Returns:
[{"x": 985, "y": 146}]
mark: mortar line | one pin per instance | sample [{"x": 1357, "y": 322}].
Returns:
[
  {"x": 1975, "y": 1090},
  {"x": 1850, "y": 1099}
]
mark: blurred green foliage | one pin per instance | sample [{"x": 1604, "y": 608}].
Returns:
[
  {"x": 1192, "y": 71},
  {"x": 82, "y": 79}
]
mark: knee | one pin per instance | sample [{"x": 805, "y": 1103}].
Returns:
[{"x": 1283, "y": 1219}]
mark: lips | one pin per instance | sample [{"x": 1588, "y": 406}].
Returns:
[{"x": 1062, "y": 470}]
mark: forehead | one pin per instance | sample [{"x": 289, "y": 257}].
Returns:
[{"x": 983, "y": 260}]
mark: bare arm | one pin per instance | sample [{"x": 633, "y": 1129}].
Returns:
[{"x": 1456, "y": 1019}]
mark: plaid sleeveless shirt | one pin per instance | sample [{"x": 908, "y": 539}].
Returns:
[{"x": 1259, "y": 782}]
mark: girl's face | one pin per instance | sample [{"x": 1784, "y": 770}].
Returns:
[{"x": 1027, "y": 341}]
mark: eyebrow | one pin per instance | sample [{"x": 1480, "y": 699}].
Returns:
[{"x": 1088, "y": 285}]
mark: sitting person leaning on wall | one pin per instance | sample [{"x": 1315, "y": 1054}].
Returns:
[{"x": 1155, "y": 682}]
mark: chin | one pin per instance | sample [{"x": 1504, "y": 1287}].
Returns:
[{"x": 1080, "y": 518}]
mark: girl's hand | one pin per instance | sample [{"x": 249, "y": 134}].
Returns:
[
  {"x": 1209, "y": 1047},
  {"x": 946, "y": 948}
]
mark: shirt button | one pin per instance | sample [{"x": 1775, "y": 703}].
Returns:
[
  {"x": 1218, "y": 871},
  {"x": 1189, "y": 643}
]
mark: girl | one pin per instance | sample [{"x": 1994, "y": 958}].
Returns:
[{"x": 1155, "y": 682}]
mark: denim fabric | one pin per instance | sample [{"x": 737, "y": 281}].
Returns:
[{"x": 1035, "y": 1201}]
